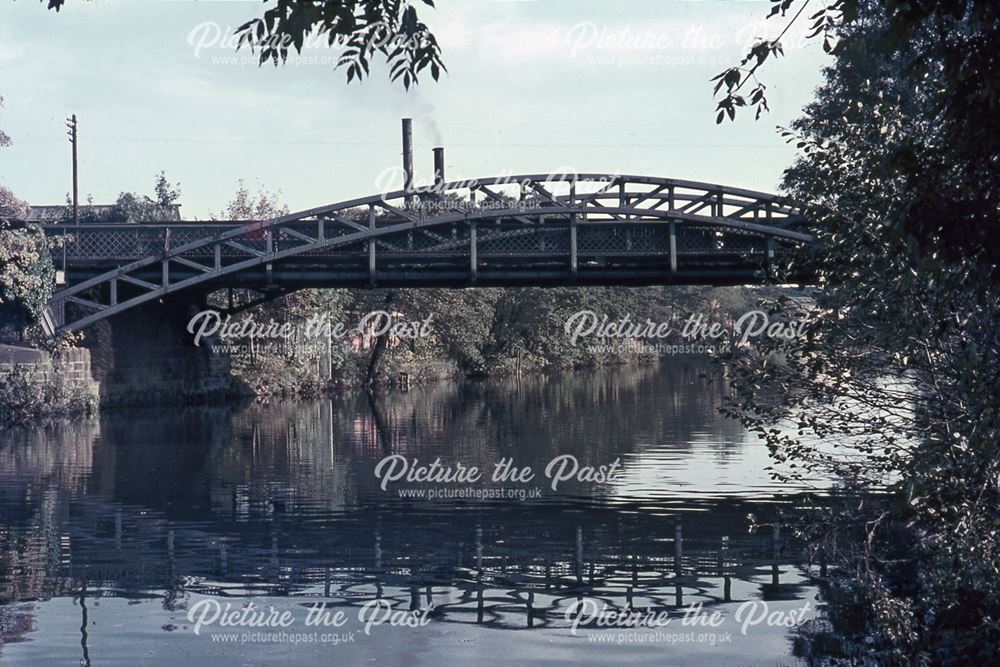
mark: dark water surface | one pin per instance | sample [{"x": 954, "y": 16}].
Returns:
[{"x": 119, "y": 533}]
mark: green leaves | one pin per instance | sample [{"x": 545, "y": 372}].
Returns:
[
  {"x": 27, "y": 275},
  {"x": 360, "y": 29},
  {"x": 729, "y": 78},
  {"x": 779, "y": 6},
  {"x": 900, "y": 377},
  {"x": 735, "y": 78},
  {"x": 827, "y": 22}
]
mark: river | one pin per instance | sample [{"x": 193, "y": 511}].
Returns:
[{"x": 261, "y": 533}]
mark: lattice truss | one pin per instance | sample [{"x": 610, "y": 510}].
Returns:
[{"x": 571, "y": 218}]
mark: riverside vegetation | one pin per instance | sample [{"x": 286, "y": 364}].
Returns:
[{"x": 896, "y": 387}]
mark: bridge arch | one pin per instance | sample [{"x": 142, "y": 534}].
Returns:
[{"x": 533, "y": 229}]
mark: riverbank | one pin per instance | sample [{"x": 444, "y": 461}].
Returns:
[{"x": 38, "y": 386}]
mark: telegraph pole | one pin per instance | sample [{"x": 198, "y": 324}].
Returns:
[{"x": 71, "y": 124}]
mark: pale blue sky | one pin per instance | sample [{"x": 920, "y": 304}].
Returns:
[{"x": 533, "y": 86}]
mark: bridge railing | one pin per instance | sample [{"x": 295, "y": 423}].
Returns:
[{"x": 127, "y": 242}]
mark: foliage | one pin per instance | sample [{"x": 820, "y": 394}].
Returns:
[
  {"x": 898, "y": 379},
  {"x": 11, "y": 208},
  {"x": 959, "y": 38},
  {"x": 473, "y": 332},
  {"x": 272, "y": 368},
  {"x": 290, "y": 371},
  {"x": 261, "y": 205},
  {"x": 27, "y": 276},
  {"x": 363, "y": 28},
  {"x": 131, "y": 206},
  {"x": 27, "y": 397},
  {"x": 166, "y": 192}
]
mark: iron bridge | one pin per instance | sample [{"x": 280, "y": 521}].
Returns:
[{"x": 544, "y": 230}]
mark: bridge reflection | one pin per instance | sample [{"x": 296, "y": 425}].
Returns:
[{"x": 281, "y": 501}]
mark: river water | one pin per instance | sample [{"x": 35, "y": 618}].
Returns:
[{"x": 262, "y": 533}]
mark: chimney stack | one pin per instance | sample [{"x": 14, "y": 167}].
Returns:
[
  {"x": 439, "y": 165},
  {"x": 408, "y": 158}
]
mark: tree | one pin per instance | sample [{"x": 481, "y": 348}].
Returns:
[
  {"x": 133, "y": 207},
  {"x": 247, "y": 205},
  {"x": 285, "y": 372},
  {"x": 166, "y": 193},
  {"x": 363, "y": 28},
  {"x": 948, "y": 53},
  {"x": 130, "y": 207},
  {"x": 27, "y": 276},
  {"x": 898, "y": 379},
  {"x": 11, "y": 208}
]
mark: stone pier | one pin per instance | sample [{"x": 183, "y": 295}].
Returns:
[{"x": 145, "y": 355}]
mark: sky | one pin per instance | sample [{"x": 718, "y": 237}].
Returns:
[{"x": 533, "y": 86}]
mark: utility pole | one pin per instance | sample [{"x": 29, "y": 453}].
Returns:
[{"x": 71, "y": 124}]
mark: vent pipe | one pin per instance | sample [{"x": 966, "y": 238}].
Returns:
[
  {"x": 408, "y": 158},
  {"x": 439, "y": 165}
]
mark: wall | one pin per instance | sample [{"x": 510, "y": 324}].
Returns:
[
  {"x": 145, "y": 355},
  {"x": 36, "y": 385}
]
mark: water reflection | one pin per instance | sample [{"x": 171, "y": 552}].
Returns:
[{"x": 279, "y": 503}]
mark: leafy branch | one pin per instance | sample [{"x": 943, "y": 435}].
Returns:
[
  {"x": 826, "y": 22},
  {"x": 361, "y": 28}
]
